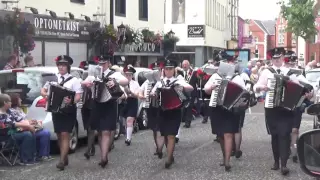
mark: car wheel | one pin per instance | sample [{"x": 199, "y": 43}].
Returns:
[
  {"x": 142, "y": 117},
  {"x": 118, "y": 130},
  {"x": 135, "y": 127},
  {"x": 73, "y": 140}
]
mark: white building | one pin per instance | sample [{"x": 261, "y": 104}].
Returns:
[
  {"x": 201, "y": 26},
  {"x": 55, "y": 40}
]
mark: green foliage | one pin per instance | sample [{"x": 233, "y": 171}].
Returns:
[{"x": 300, "y": 17}]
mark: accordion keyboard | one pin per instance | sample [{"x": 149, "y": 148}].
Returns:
[
  {"x": 214, "y": 94},
  {"x": 148, "y": 99},
  {"x": 269, "y": 102}
]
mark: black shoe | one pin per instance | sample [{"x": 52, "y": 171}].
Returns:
[
  {"x": 177, "y": 140},
  {"x": 313, "y": 109},
  {"x": 167, "y": 165},
  {"x": 205, "y": 120},
  {"x": 295, "y": 159},
  {"x": 187, "y": 125},
  {"x": 160, "y": 155},
  {"x": 103, "y": 163},
  {"x": 128, "y": 142},
  {"x": 60, "y": 166},
  {"x": 284, "y": 171},
  {"x": 227, "y": 168},
  {"x": 92, "y": 151},
  {"x": 275, "y": 167},
  {"x": 86, "y": 155},
  {"x": 238, "y": 154}
]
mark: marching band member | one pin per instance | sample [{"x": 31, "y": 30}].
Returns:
[
  {"x": 131, "y": 107},
  {"x": 223, "y": 123},
  {"x": 104, "y": 114},
  {"x": 169, "y": 121},
  {"x": 279, "y": 121},
  {"x": 63, "y": 123},
  {"x": 290, "y": 61},
  {"x": 187, "y": 111},
  {"x": 152, "y": 111}
]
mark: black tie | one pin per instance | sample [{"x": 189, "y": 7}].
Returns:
[
  {"x": 278, "y": 71},
  {"x": 168, "y": 82},
  {"x": 102, "y": 75},
  {"x": 62, "y": 81}
]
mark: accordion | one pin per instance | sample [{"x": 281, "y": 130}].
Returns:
[
  {"x": 230, "y": 96},
  {"x": 147, "y": 93},
  {"x": 55, "y": 101},
  {"x": 284, "y": 93},
  {"x": 102, "y": 93},
  {"x": 171, "y": 97}
]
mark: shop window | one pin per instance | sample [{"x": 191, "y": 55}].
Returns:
[
  {"x": 52, "y": 50},
  {"x": 143, "y": 10},
  {"x": 37, "y": 53},
  {"x": 120, "y": 7},
  {"x": 78, "y": 52}
]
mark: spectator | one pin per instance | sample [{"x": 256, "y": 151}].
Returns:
[
  {"x": 11, "y": 63},
  {"x": 42, "y": 135},
  {"x": 254, "y": 75},
  {"x": 28, "y": 61},
  {"x": 25, "y": 139},
  {"x": 248, "y": 69},
  {"x": 311, "y": 65}
]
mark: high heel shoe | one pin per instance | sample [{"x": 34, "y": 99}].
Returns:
[
  {"x": 160, "y": 154},
  {"x": 60, "y": 166},
  {"x": 128, "y": 142},
  {"x": 275, "y": 167},
  {"x": 167, "y": 165},
  {"x": 284, "y": 171},
  {"x": 103, "y": 163},
  {"x": 227, "y": 168},
  {"x": 238, "y": 154}
]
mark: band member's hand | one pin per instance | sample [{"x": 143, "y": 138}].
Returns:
[
  {"x": 88, "y": 84},
  {"x": 110, "y": 84},
  {"x": 67, "y": 100},
  {"x": 152, "y": 94},
  {"x": 263, "y": 88},
  {"x": 214, "y": 86},
  {"x": 123, "y": 97},
  {"x": 31, "y": 129},
  {"x": 33, "y": 122},
  {"x": 141, "y": 97}
]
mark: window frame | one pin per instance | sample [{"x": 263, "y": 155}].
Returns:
[
  {"x": 141, "y": 10},
  {"x": 78, "y": 1},
  {"x": 118, "y": 4}
]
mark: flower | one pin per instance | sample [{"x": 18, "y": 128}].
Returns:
[{"x": 200, "y": 73}]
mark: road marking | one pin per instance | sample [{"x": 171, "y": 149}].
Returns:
[
  {"x": 198, "y": 148},
  {"x": 31, "y": 169}
]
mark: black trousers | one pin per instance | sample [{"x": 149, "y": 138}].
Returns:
[{"x": 281, "y": 148}]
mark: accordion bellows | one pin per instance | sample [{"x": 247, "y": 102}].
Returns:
[{"x": 55, "y": 101}]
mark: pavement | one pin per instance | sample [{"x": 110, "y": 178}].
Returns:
[{"x": 197, "y": 157}]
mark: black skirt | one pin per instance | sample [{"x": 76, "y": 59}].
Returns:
[
  {"x": 169, "y": 122},
  {"x": 279, "y": 121},
  {"x": 64, "y": 122},
  {"x": 224, "y": 121},
  {"x": 153, "y": 118},
  {"x": 104, "y": 116},
  {"x": 297, "y": 119},
  {"x": 130, "y": 108}
]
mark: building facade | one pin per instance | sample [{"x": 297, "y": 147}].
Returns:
[
  {"x": 233, "y": 6},
  {"x": 202, "y": 26},
  {"x": 138, "y": 14},
  {"x": 283, "y": 38},
  {"x": 263, "y": 34}
]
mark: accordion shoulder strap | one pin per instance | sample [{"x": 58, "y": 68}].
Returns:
[
  {"x": 272, "y": 70},
  {"x": 66, "y": 80},
  {"x": 110, "y": 73}
]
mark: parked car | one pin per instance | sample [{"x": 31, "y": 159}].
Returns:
[
  {"x": 309, "y": 152},
  {"x": 28, "y": 83},
  {"x": 313, "y": 76}
]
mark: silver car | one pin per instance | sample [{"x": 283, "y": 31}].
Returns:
[{"x": 28, "y": 83}]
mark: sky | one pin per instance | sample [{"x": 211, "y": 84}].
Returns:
[{"x": 258, "y": 9}]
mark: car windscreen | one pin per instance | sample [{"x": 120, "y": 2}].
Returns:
[{"x": 312, "y": 76}]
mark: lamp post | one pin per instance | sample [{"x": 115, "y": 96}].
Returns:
[{"x": 171, "y": 34}]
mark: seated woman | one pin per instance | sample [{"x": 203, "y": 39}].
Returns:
[
  {"x": 25, "y": 139},
  {"x": 42, "y": 135}
]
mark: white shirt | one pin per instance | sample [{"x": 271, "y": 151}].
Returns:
[
  {"x": 237, "y": 79},
  {"x": 134, "y": 86},
  {"x": 116, "y": 75},
  {"x": 245, "y": 76},
  {"x": 144, "y": 87},
  {"x": 73, "y": 84},
  {"x": 180, "y": 82}
]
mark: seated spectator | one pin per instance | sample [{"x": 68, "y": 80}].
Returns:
[
  {"x": 42, "y": 135},
  {"x": 28, "y": 61},
  {"x": 25, "y": 139},
  {"x": 11, "y": 63}
]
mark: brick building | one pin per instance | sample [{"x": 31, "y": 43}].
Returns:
[
  {"x": 283, "y": 38},
  {"x": 263, "y": 33}
]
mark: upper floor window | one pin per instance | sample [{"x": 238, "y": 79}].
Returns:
[
  {"x": 143, "y": 10},
  {"x": 120, "y": 7},
  {"x": 78, "y": 1}
]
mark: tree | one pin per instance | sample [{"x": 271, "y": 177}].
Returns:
[{"x": 300, "y": 17}]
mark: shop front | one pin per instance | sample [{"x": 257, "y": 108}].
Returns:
[{"x": 60, "y": 36}]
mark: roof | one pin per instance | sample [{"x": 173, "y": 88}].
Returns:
[{"x": 267, "y": 26}]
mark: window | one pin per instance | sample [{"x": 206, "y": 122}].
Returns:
[
  {"x": 120, "y": 8},
  {"x": 78, "y": 1},
  {"x": 143, "y": 10}
]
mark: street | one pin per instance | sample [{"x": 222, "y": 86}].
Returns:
[{"x": 197, "y": 157}]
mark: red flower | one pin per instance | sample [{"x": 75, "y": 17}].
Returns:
[
  {"x": 82, "y": 64},
  {"x": 56, "y": 59},
  {"x": 286, "y": 59},
  {"x": 206, "y": 77},
  {"x": 96, "y": 59},
  {"x": 200, "y": 73}
]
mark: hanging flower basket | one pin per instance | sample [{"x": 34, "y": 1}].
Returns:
[
  {"x": 130, "y": 35},
  {"x": 169, "y": 42},
  {"x": 22, "y": 31},
  {"x": 105, "y": 40},
  {"x": 148, "y": 36}
]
